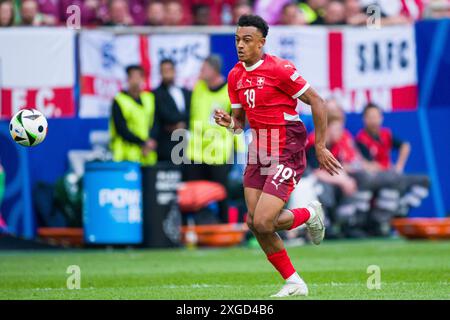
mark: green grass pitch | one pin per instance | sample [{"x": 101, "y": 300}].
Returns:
[{"x": 333, "y": 270}]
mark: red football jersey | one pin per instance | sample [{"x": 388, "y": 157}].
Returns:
[
  {"x": 267, "y": 91},
  {"x": 380, "y": 149}
]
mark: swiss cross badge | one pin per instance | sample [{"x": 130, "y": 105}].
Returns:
[
  {"x": 260, "y": 82},
  {"x": 239, "y": 84}
]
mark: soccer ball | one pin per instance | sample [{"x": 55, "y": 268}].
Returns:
[{"x": 28, "y": 127}]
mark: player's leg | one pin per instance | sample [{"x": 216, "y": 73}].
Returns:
[
  {"x": 271, "y": 244},
  {"x": 270, "y": 217},
  {"x": 285, "y": 175},
  {"x": 251, "y": 199},
  {"x": 279, "y": 185},
  {"x": 253, "y": 184},
  {"x": 285, "y": 220},
  {"x": 266, "y": 213}
]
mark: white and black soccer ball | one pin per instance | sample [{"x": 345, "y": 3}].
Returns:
[{"x": 28, "y": 127}]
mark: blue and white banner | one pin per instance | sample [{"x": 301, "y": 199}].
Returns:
[{"x": 104, "y": 57}]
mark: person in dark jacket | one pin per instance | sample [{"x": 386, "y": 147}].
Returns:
[{"x": 172, "y": 110}]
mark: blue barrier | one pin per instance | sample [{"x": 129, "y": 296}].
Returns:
[
  {"x": 17, "y": 207},
  {"x": 426, "y": 89},
  {"x": 438, "y": 93},
  {"x": 112, "y": 206}
]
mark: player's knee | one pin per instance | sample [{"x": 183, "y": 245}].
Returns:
[
  {"x": 250, "y": 223},
  {"x": 264, "y": 226}
]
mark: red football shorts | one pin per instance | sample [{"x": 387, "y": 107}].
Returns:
[{"x": 278, "y": 176}]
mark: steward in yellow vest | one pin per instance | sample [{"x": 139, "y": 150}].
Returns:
[
  {"x": 131, "y": 122},
  {"x": 210, "y": 146},
  {"x": 209, "y": 143}
]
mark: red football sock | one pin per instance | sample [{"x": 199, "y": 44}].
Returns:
[
  {"x": 280, "y": 260},
  {"x": 301, "y": 215}
]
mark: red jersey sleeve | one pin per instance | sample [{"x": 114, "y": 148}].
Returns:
[
  {"x": 290, "y": 81},
  {"x": 232, "y": 93}
]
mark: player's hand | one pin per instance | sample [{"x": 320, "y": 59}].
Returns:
[
  {"x": 222, "y": 118},
  {"x": 327, "y": 161}
]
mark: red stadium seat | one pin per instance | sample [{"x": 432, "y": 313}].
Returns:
[
  {"x": 217, "y": 235},
  {"x": 194, "y": 195},
  {"x": 67, "y": 237},
  {"x": 423, "y": 228}
]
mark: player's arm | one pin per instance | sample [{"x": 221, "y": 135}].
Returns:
[
  {"x": 292, "y": 83},
  {"x": 324, "y": 156},
  {"x": 235, "y": 121}
]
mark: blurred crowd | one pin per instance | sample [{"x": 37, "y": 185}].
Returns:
[
  {"x": 217, "y": 12},
  {"x": 373, "y": 188}
]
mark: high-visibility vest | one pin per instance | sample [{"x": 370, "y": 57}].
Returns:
[
  {"x": 140, "y": 120},
  {"x": 210, "y": 143},
  {"x": 309, "y": 14}
]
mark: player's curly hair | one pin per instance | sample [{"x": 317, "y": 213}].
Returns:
[{"x": 249, "y": 20}]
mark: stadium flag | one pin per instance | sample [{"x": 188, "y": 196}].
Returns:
[
  {"x": 354, "y": 65},
  {"x": 104, "y": 57},
  {"x": 187, "y": 51},
  {"x": 37, "y": 70}
]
